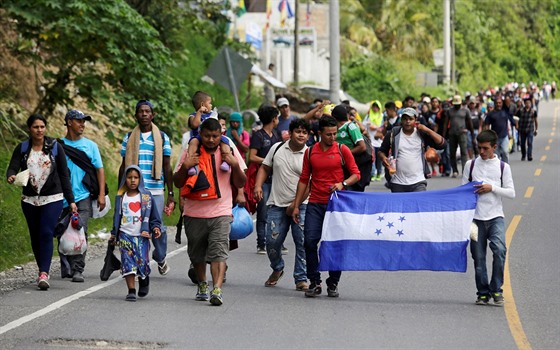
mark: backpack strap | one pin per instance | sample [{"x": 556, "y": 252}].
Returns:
[
  {"x": 502, "y": 166},
  {"x": 276, "y": 150}
]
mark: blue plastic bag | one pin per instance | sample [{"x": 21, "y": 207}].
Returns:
[{"x": 242, "y": 224}]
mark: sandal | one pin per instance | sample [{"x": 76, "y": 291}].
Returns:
[{"x": 273, "y": 279}]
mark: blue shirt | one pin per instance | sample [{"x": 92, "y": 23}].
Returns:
[
  {"x": 146, "y": 160},
  {"x": 76, "y": 173}
]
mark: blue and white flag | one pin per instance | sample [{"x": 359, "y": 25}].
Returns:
[{"x": 398, "y": 231}]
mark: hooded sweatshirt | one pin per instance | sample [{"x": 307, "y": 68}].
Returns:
[
  {"x": 150, "y": 218},
  {"x": 375, "y": 118}
]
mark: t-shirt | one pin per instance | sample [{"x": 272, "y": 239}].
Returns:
[
  {"x": 76, "y": 173},
  {"x": 349, "y": 134},
  {"x": 212, "y": 208},
  {"x": 286, "y": 169},
  {"x": 283, "y": 127},
  {"x": 410, "y": 168},
  {"x": 326, "y": 168},
  {"x": 376, "y": 121},
  {"x": 458, "y": 120},
  {"x": 195, "y": 131},
  {"x": 498, "y": 120},
  {"x": 262, "y": 142},
  {"x": 146, "y": 160},
  {"x": 131, "y": 218}
]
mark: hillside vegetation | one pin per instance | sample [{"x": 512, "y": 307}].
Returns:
[{"x": 101, "y": 56}]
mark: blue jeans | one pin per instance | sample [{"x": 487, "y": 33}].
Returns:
[
  {"x": 377, "y": 168},
  {"x": 492, "y": 231},
  {"x": 445, "y": 161},
  {"x": 160, "y": 244},
  {"x": 526, "y": 139},
  {"x": 503, "y": 149},
  {"x": 312, "y": 232},
  {"x": 41, "y": 221},
  {"x": 277, "y": 226},
  {"x": 261, "y": 216}
]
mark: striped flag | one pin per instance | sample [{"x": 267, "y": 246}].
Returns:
[
  {"x": 285, "y": 12},
  {"x": 398, "y": 231}
]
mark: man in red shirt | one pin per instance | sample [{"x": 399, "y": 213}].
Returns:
[{"x": 327, "y": 163}]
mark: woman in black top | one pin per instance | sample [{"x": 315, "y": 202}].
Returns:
[{"x": 48, "y": 184}]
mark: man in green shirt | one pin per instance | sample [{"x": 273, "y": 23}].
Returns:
[{"x": 349, "y": 134}]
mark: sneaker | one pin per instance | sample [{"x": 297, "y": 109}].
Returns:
[
  {"x": 144, "y": 286},
  {"x": 302, "y": 286},
  {"x": 455, "y": 174},
  {"x": 202, "y": 292},
  {"x": 284, "y": 250},
  {"x": 498, "y": 299},
  {"x": 332, "y": 290},
  {"x": 216, "y": 297},
  {"x": 482, "y": 300},
  {"x": 163, "y": 268},
  {"x": 261, "y": 250},
  {"x": 43, "y": 281},
  {"x": 314, "y": 290},
  {"x": 373, "y": 177},
  {"x": 224, "y": 166},
  {"x": 377, "y": 178},
  {"x": 78, "y": 277},
  {"x": 193, "y": 171},
  {"x": 523, "y": 158},
  {"x": 434, "y": 173},
  {"x": 530, "y": 159}
]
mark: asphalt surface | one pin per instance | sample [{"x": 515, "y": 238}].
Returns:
[{"x": 397, "y": 310}]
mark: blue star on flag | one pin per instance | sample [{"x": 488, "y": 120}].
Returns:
[
  {"x": 400, "y": 232},
  {"x": 402, "y": 218},
  {"x": 381, "y": 218},
  {"x": 390, "y": 224},
  {"x": 378, "y": 231}
]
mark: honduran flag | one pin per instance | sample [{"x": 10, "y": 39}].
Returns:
[{"x": 398, "y": 231}]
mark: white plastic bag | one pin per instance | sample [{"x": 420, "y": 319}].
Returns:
[
  {"x": 72, "y": 241},
  {"x": 22, "y": 178},
  {"x": 474, "y": 232},
  {"x": 95, "y": 208}
]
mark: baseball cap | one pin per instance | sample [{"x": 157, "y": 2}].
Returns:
[
  {"x": 490, "y": 103},
  {"x": 340, "y": 113},
  {"x": 282, "y": 101},
  {"x": 410, "y": 112},
  {"x": 457, "y": 100},
  {"x": 76, "y": 114},
  {"x": 426, "y": 99}
]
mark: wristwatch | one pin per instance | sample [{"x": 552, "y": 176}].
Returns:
[
  {"x": 170, "y": 193},
  {"x": 344, "y": 184}
]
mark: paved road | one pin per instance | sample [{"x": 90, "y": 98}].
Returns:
[{"x": 401, "y": 310}]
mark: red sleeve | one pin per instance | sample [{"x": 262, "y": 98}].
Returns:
[
  {"x": 349, "y": 161},
  {"x": 305, "y": 170}
]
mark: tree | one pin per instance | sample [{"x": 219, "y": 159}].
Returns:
[{"x": 100, "y": 51}]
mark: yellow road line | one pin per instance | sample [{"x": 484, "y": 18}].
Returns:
[
  {"x": 512, "y": 315},
  {"x": 547, "y": 148},
  {"x": 543, "y": 158},
  {"x": 529, "y": 192},
  {"x": 538, "y": 172}
]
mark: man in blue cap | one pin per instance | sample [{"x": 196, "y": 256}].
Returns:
[{"x": 88, "y": 183}]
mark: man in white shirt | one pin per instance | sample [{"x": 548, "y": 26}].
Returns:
[
  {"x": 497, "y": 182},
  {"x": 407, "y": 144},
  {"x": 285, "y": 161}
]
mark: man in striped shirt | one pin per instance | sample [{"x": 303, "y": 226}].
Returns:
[{"x": 150, "y": 149}]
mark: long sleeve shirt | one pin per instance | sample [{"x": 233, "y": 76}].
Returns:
[{"x": 489, "y": 205}]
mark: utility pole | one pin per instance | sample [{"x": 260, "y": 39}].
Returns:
[
  {"x": 296, "y": 47},
  {"x": 334, "y": 51},
  {"x": 452, "y": 42},
  {"x": 446, "y": 42}
]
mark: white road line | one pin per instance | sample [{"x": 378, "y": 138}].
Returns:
[{"x": 57, "y": 305}]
